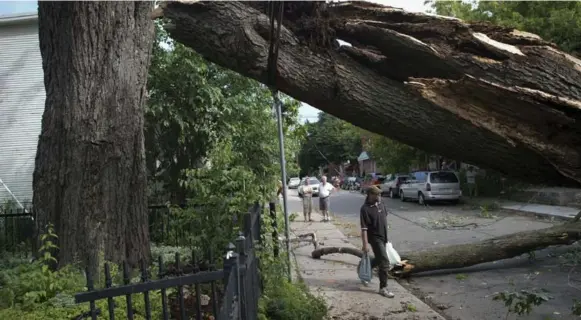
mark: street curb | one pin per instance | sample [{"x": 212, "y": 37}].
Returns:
[{"x": 538, "y": 215}]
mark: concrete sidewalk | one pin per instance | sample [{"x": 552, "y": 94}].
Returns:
[
  {"x": 335, "y": 278},
  {"x": 543, "y": 210}
]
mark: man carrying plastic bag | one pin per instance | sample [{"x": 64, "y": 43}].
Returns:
[
  {"x": 373, "y": 217},
  {"x": 364, "y": 269}
]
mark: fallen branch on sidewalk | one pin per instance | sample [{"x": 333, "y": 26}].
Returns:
[
  {"x": 318, "y": 253},
  {"x": 466, "y": 255},
  {"x": 304, "y": 237}
]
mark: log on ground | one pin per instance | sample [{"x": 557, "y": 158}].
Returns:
[
  {"x": 487, "y": 95},
  {"x": 466, "y": 255}
]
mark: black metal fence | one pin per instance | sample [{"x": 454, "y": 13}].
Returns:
[
  {"x": 233, "y": 290},
  {"x": 16, "y": 230}
]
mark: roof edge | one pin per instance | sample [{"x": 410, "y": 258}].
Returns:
[{"x": 20, "y": 18}]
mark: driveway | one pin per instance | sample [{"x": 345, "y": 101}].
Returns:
[{"x": 466, "y": 294}]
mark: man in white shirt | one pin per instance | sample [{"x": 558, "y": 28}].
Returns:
[
  {"x": 471, "y": 182},
  {"x": 325, "y": 190}
]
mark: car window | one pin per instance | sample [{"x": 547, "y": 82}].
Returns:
[
  {"x": 443, "y": 177},
  {"x": 314, "y": 182},
  {"x": 402, "y": 179}
]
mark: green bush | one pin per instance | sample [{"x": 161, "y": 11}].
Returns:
[
  {"x": 291, "y": 301},
  {"x": 284, "y": 300},
  {"x": 31, "y": 291}
]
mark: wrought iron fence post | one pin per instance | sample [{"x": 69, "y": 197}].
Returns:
[
  {"x": 259, "y": 222},
  {"x": 229, "y": 262},
  {"x": 248, "y": 228},
  {"x": 228, "y": 310},
  {"x": 242, "y": 287}
]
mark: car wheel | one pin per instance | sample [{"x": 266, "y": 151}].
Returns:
[
  {"x": 421, "y": 199},
  {"x": 401, "y": 197},
  {"x": 455, "y": 201},
  {"x": 391, "y": 195}
]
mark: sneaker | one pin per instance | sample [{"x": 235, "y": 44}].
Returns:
[
  {"x": 384, "y": 292},
  {"x": 328, "y": 218}
]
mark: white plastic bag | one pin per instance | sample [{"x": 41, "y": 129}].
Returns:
[
  {"x": 392, "y": 255},
  {"x": 364, "y": 269}
]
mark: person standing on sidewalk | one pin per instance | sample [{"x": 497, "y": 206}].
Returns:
[
  {"x": 373, "y": 217},
  {"x": 307, "y": 200},
  {"x": 471, "y": 182},
  {"x": 325, "y": 190}
]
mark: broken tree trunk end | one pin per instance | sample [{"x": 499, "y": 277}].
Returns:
[{"x": 466, "y": 255}]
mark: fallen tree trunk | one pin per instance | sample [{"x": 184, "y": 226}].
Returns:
[
  {"x": 466, "y": 255},
  {"x": 487, "y": 95}
]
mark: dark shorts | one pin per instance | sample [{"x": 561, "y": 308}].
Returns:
[{"x": 324, "y": 204}]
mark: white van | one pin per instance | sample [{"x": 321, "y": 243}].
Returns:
[{"x": 429, "y": 186}]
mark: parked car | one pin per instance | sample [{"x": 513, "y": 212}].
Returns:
[
  {"x": 374, "y": 179},
  {"x": 392, "y": 183},
  {"x": 429, "y": 186},
  {"x": 294, "y": 183},
  {"x": 314, "y": 183}
]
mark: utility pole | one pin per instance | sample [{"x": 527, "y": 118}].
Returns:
[{"x": 283, "y": 173}]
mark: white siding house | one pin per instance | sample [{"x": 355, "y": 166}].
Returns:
[{"x": 22, "y": 98}]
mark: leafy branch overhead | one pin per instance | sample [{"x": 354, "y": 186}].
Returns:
[{"x": 488, "y": 95}]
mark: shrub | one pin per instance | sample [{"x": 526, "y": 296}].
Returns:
[{"x": 284, "y": 300}]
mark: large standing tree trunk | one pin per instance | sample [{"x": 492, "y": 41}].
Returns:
[
  {"x": 90, "y": 177},
  {"x": 486, "y": 95}
]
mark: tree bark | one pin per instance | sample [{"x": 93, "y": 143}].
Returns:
[
  {"x": 466, "y": 255},
  {"x": 490, "y": 96},
  {"x": 90, "y": 175}
]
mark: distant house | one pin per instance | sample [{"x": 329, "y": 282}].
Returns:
[
  {"x": 366, "y": 164},
  {"x": 22, "y": 99}
]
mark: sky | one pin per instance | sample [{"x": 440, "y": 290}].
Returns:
[{"x": 306, "y": 112}]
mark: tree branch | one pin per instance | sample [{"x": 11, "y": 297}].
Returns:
[{"x": 410, "y": 77}]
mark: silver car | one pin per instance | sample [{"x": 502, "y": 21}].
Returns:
[
  {"x": 294, "y": 183},
  {"x": 429, "y": 186},
  {"x": 314, "y": 183},
  {"x": 392, "y": 184}
]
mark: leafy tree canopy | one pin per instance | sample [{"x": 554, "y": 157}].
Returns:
[
  {"x": 196, "y": 106},
  {"x": 392, "y": 156},
  {"x": 556, "y": 21},
  {"x": 329, "y": 140}
]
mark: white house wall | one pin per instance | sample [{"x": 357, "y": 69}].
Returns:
[{"x": 22, "y": 99}]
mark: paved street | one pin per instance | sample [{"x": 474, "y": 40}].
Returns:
[{"x": 465, "y": 294}]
